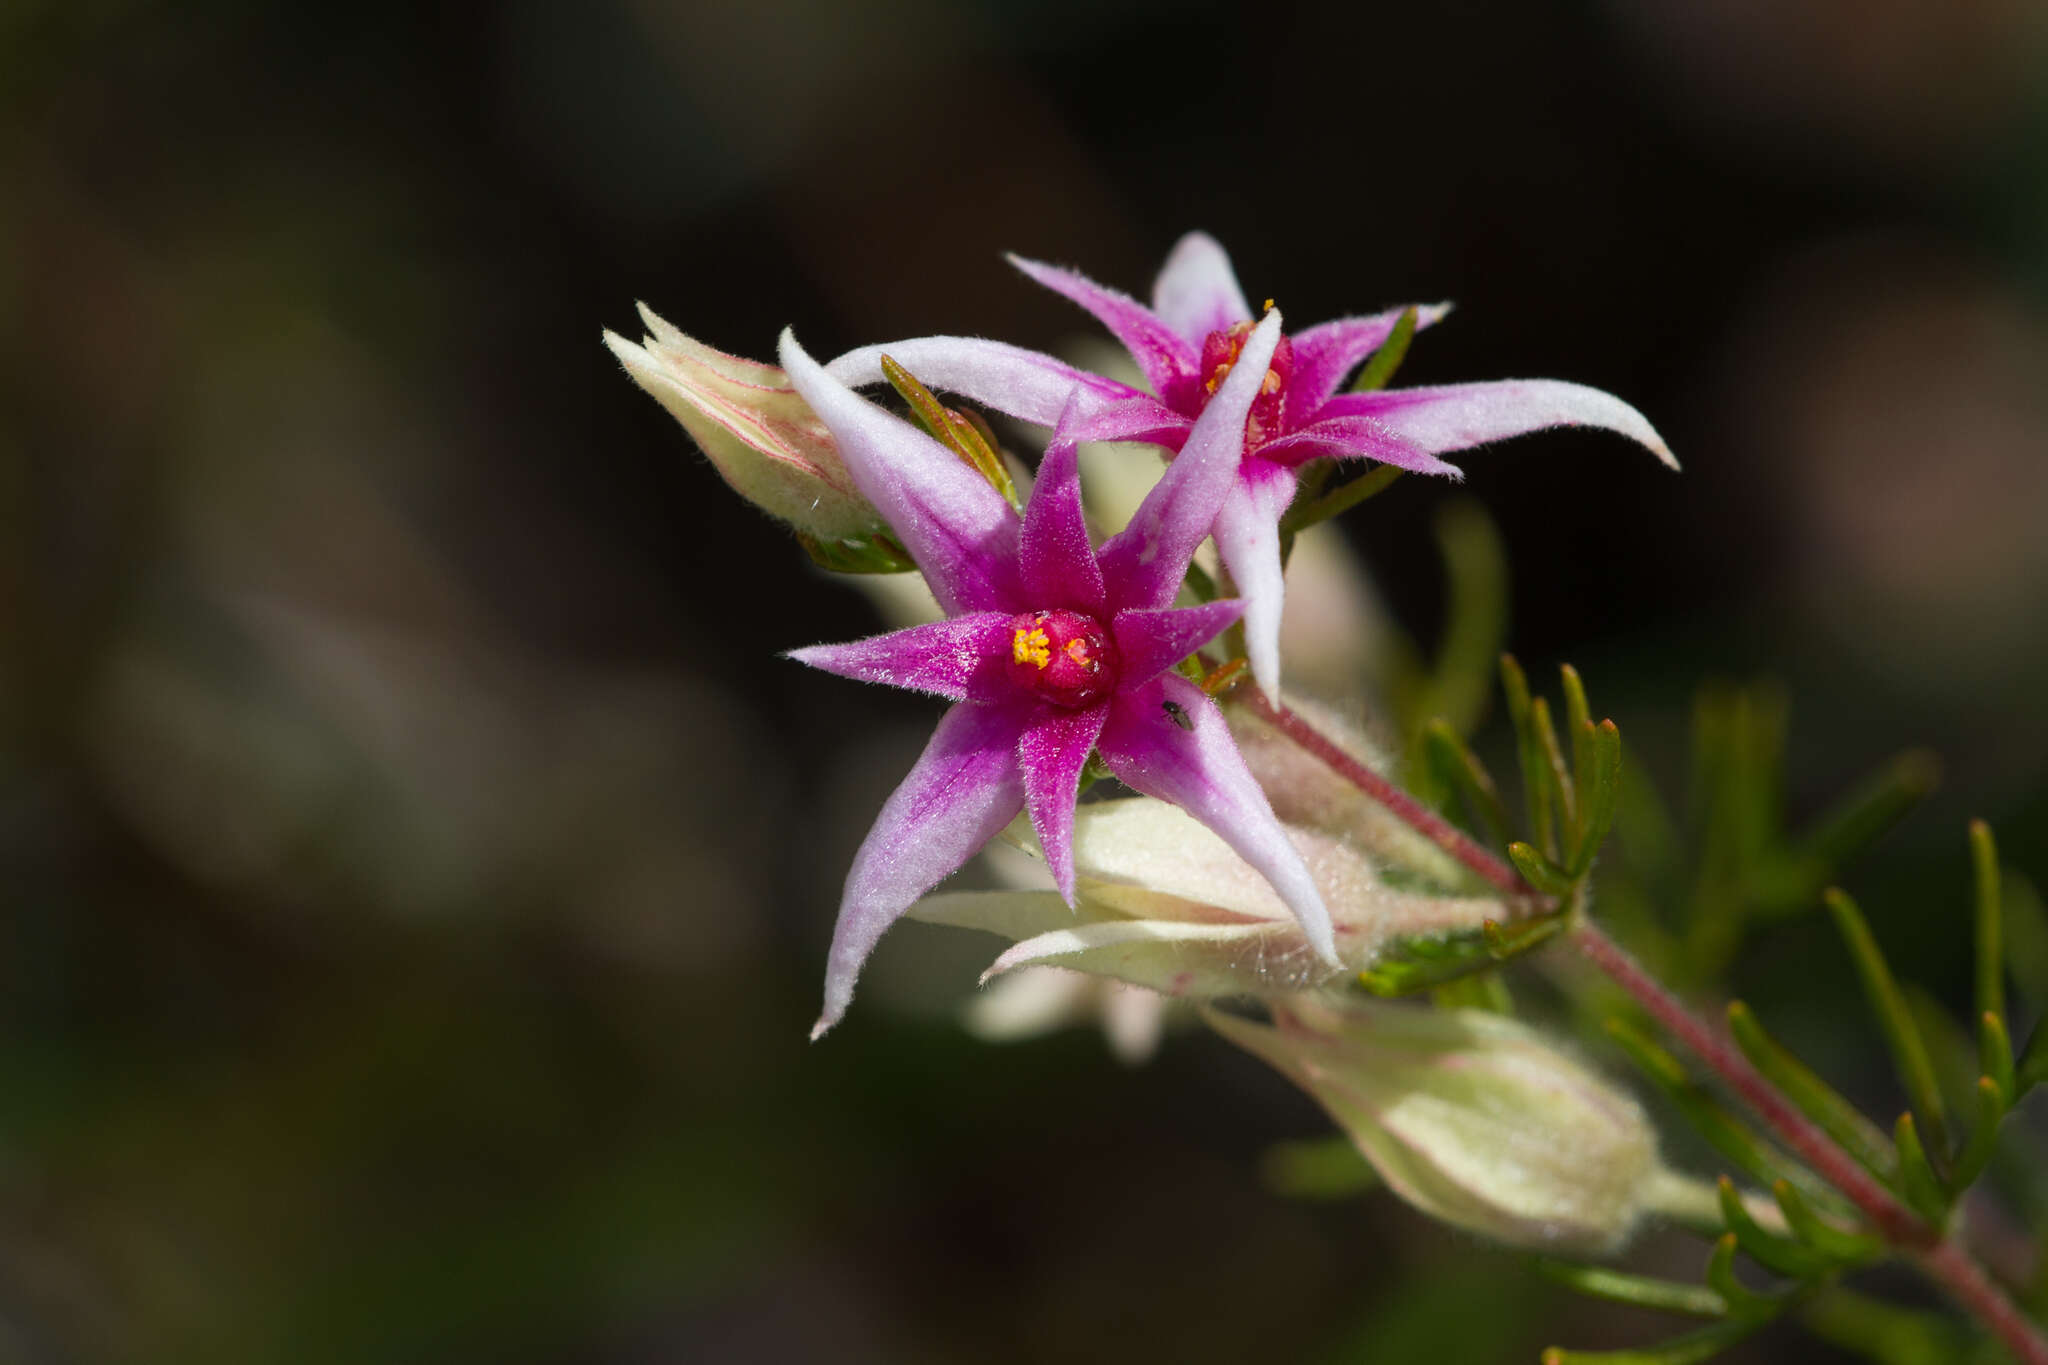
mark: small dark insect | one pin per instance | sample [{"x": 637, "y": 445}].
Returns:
[{"x": 1177, "y": 713}]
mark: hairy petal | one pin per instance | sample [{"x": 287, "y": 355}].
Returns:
[
  {"x": 1166, "y": 359},
  {"x": 964, "y": 788},
  {"x": 1057, "y": 561},
  {"x": 1197, "y": 292},
  {"x": 1051, "y": 753},
  {"x": 1459, "y": 416},
  {"x": 1137, "y": 418},
  {"x": 958, "y": 658},
  {"x": 1248, "y": 540},
  {"x": 1345, "y": 438},
  {"x": 960, "y": 531},
  {"x": 1143, "y": 564},
  {"x": 1200, "y": 770},
  {"x": 1199, "y": 961},
  {"x": 1010, "y": 379},
  {"x": 1328, "y": 351},
  {"x": 1150, "y": 640}
]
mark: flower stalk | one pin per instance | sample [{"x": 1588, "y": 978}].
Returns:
[{"x": 1939, "y": 1256}]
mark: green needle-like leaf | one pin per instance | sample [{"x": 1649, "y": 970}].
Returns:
[
  {"x": 1460, "y": 769},
  {"x": 1994, "y": 1049},
  {"x": 2032, "y": 1067},
  {"x": 1512, "y": 940},
  {"x": 1529, "y": 749},
  {"x": 1917, "y": 1179},
  {"x": 1387, "y": 359},
  {"x": 1538, "y": 870},
  {"x": 1727, "y": 1134},
  {"x": 1990, "y": 957},
  {"x": 1909, "y": 1051},
  {"x": 1768, "y": 1249},
  {"x": 1743, "y": 1302},
  {"x": 1690, "y": 1349},
  {"x": 1984, "y": 1137},
  {"x": 1845, "y": 1247},
  {"x": 1559, "y": 774},
  {"x": 1578, "y": 720},
  {"x": 1668, "y": 1296},
  {"x": 1873, "y": 808},
  {"x": 1815, "y": 1098},
  {"x": 1599, "y": 793}
]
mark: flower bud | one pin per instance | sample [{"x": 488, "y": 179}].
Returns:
[
  {"x": 750, "y": 421},
  {"x": 1472, "y": 1118}
]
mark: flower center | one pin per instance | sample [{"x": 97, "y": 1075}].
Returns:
[
  {"x": 1062, "y": 656},
  {"x": 1220, "y": 351}
]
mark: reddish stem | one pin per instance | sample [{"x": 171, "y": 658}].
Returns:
[
  {"x": 1421, "y": 818},
  {"x": 1942, "y": 1259}
]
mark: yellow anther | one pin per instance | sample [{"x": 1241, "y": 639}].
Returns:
[
  {"x": 1268, "y": 308},
  {"x": 1030, "y": 645},
  {"x": 1077, "y": 650}
]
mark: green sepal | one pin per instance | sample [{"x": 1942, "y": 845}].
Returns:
[
  {"x": 1690, "y": 1349},
  {"x": 1615, "y": 1286},
  {"x": 1976, "y": 1154},
  {"x": 1305, "y": 513},
  {"x": 1768, "y": 1249},
  {"x": 1599, "y": 792},
  {"x": 1839, "y": 1245},
  {"x": 1458, "y": 768},
  {"x": 953, "y": 430},
  {"x": 1813, "y": 1096},
  {"x": 1387, "y": 359},
  {"x": 1538, "y": 870},
  {"x": 1317, "y": 1169},
  {"x": 1917, "y": 1179},
  {"x": 877, "y": 554},
  {"x": 1727, "y": 1134},
  {"x": 1902, "y": 1035}
]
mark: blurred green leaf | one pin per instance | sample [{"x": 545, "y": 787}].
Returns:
[
  {"x": 1918, "y": 1181},
  {"x": 1667, "y": 1296},
  {"x": 1387, "y": 359},
  {"x": 1902, "y": 1036},
  {"x": 1816, "y": 1099},
  {"x": 1320, "y": 1168},
  {"x": 1768, "y": 1249}
]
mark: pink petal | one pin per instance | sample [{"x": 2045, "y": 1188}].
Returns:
[
  {"x": 1459, "y": 416},
  {"x": 1009, "y": 379},
  {"x": 957, "y": 658},
  {"x": 1051, "y": 753},
  {"x": 964, "y": 788},
  {"x": 1152, "y": 640},
  {"x": 1143, "y": 564},
  {"x": 960, "y": 531},
  {"x": 1197, "y": 292},
  {"x": 1248, "y": 540},
  {"x": 1138, "y": 418},
  {"x": 1346, "y": 438},
  {"x": 1057, "y": 560},
  {"x": 1200, "y": 770},
  {"x": 1328, "y": 351},
  {"x": 1166, "y": 359}
]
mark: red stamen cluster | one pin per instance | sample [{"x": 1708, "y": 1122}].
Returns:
[
  {"x": 1220, "y": 351},
  {"x": 1062, "y": 656}
]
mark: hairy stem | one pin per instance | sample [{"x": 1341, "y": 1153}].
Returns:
[
  {"x": 1421, "y": 818},
  {"x": 1940, "y": 1258}
]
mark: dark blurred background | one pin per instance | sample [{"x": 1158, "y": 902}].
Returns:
[{"x": 418, "y": 863}]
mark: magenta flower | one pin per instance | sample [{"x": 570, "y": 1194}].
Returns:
[
  {"x": 1052, "y": 650},
  {"x": 1194, "y": 335}
]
